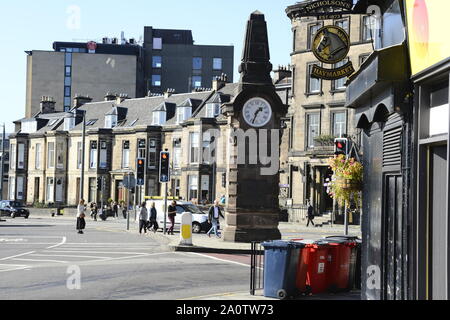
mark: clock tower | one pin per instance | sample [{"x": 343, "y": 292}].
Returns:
[{"x": 253, "y": 144}]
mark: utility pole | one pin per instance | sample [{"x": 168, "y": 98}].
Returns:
[{"x": 83, "y": 151}]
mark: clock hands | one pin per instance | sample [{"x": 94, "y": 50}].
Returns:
[{"x": 256, "y": 113}]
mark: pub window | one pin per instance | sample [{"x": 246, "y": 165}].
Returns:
[
  {"x": 313, "y": 128},
  {"x": 312, "y": 30},
  {"x": 339, "y": 123},
  {"x": 339, "y": 84},
  {"x": 313, "y": 84}
]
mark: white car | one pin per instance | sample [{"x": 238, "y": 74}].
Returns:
[{"x": 199, "y": 218}]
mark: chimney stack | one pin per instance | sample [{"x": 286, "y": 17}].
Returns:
[
  {"x": 281, "y": 73},
  {"x": 121, "y": 97},
  {"x": 110, "y": 96},
  {"x": 219, "y": 82},
  {"x": 47, "y": 104},
  {"x": 80, "y": 100},
  {"x": 168, "y": 93}
]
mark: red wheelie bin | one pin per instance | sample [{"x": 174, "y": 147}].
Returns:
[
  {"x": 339, "y": 259},
  {"x": 312, "y": 267}
]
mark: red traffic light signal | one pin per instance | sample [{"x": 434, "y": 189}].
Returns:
[{"x": 341, "y": 146}]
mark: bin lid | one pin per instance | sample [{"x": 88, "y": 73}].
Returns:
[
  {"x": 334, "y": 240},
  {"x": 348, "y": 238},
  {"x": 277, "y": 244}
]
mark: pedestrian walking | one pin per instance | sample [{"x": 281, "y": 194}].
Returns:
[
  {"x": 94, "y": 211},
  {"x": 214, "y": 214},
  {"x": 310, "y": 213},
  {"x": 115, "y": 209},
  {"x": 153, "y": 218},
  {"x": 171, "y": 213},
  {"x": 124, "y": 210},
  {"x": 143, "y": 218},
  {"x": 81, "y": 223}
]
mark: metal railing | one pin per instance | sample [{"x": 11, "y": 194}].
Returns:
[
  {"x": 298, "y": 213},
  {"x": 256, "y": 267}
]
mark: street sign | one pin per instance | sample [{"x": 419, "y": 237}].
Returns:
[{"x": 129, "y": 181}]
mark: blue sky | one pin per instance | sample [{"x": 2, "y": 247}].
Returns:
[{"x": 34, "y": 25}]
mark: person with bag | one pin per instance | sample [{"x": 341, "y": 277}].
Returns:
[
  {"x": 171, "y": 213},
  {"x": 214, "y": 214},
  {"x": 143, "y": 218},
  {"x": 153, "y": 219},
  {"x": 81, "y": 223}
]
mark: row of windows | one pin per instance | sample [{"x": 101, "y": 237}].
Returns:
[
  {"x": 68, "y": 79},
  {"x": 367, "y": 30},
  {"x": 195, "y": 81},
  {"x": 338, "y": 127}
]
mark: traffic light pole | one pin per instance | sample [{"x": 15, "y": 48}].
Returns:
[{"x": 165, "y": 207}]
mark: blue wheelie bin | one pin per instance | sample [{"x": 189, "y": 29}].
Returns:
[{"x": 280, "y": 268}]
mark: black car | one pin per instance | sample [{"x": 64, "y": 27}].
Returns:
[{"x": 13, "y": 209}]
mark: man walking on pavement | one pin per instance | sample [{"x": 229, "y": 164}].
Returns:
[
  {"x": 310, "y": 213},
  {"x": 143, "y": 218},
  {"x": 213, "y": 217}
]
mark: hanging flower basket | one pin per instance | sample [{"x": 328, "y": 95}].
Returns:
[{"x": 348, "y": 184}]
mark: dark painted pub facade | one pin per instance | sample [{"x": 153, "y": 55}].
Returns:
[{"x": 401, "y": 98}]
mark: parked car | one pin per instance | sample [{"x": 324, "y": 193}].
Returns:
[
  {"x": 199, "y": 218},
  {"x": 13, "y": 209}
]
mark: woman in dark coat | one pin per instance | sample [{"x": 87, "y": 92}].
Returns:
[{"x": 153, "y": 218}]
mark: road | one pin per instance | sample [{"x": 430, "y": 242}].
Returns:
[{"x": 44, "y": 258}]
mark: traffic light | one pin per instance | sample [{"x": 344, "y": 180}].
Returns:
[
  {"x": 140, "y": 171},
  {"x": 99, "y": 183},
  {"x": 164, "y": 166},
  {"x": 341, "y": 146}
]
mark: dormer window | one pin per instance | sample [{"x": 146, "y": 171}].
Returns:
[
  {"x": 69, "y": 123},
  {"x": 159, "y": 118},
  {"x": 29, "y": 126},
  {"x": 183, "y": 113},
  {"x": 212, "y": 110},
  {"x": 110, "y": 121}
]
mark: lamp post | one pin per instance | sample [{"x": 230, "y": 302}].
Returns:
[
  {"x": 83, "y": 149},
  {"x": 2, "y": 173}
]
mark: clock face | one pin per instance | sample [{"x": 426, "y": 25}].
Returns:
[{"x": 257, "y": 112}]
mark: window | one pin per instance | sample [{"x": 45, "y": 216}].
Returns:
[
  {"x": 156, "y": 80},
  {"x": 152, "y": 156},
  {"x": 12, "y": 160},
  {"x": 103, "y": 155},
  {"x": 196, "y": 81},
  {"x": 212, "y": 110},
  {"x": 197, "y": 63},
  {"x": 126, "y": 155},
  {"x": 367, "y": 29},
  {"x": 79, "y": 154},
  {"x": 68, "y": 71},
  {"x": 363, "y": 58},
  {"x": 314, "y": 84},
  {"x": 50, "y": 190},
  {"x": 217, "y": 63},
  {"x": 51, "y": 155},
  {"x": 194, "y": 147},
  {"x": 294, "y": 38},
  {"x": 20, "y": 182},
  {"x": 157, "y": 43},
  {"x": 312, "y": 30},
  {"x": 344, "y": 24},
  {"x": 152, "y": 187},
  {"x": 339, "y": 124},
  {"x": 68, "y": 59},
  {"x": 206, "y": 145},
  {"x": 193, "y": 187},
  {"x": 91, "y": 122},
  {"x": 60, "y": 155},
  {"x": 313, "y": 128},
  {"x": 92, "y": 189},
  {"x": 157, "y": 62},
  {"x": 67, "y": 90},
  {"x": 20, "y": 156},
  {"x": 177, "y": 153},
  {"x": 93, "y": 155},
  {"x": 37, "y": 158},
  {"x": 67, "y": 81},
  {"x": 339, "y": 84}
]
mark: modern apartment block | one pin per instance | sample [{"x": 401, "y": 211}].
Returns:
[{"x": 166, "y": 59}]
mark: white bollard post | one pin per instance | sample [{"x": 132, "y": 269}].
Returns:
[{"x": 186, "y": 229}]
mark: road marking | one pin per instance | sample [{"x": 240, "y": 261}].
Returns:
[
  {"x": 35, "y": 260},
  {"x": 89, "y": 251},
  {"x": 12, "y": 240},
  {"x": 223, "y": 260},
  {"x": 67, "y": 255},
  {"x": 16, "y": 268},
  {"x": 19, "y": 255},
  {"x": 59, "y": 244}
]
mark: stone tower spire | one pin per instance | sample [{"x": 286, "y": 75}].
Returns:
[{"x": 255, "y": 66}]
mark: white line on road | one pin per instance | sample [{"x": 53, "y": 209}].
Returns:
[
  {"x": 67, "y": 255},
  {"x": 59, "y": 244},
  {"x": 223, "y": 260},
  {"x": 35, "y": 260},
  {"x": 19, "y": 255},
  {"x": 89, "y": 251}
]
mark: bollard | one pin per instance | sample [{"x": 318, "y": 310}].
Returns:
[{"x": 186, "y": 229}]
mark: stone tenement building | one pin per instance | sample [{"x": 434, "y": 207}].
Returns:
[
  {"x": 48, "y": 146},
  {"x": 317, "y": 113}
]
